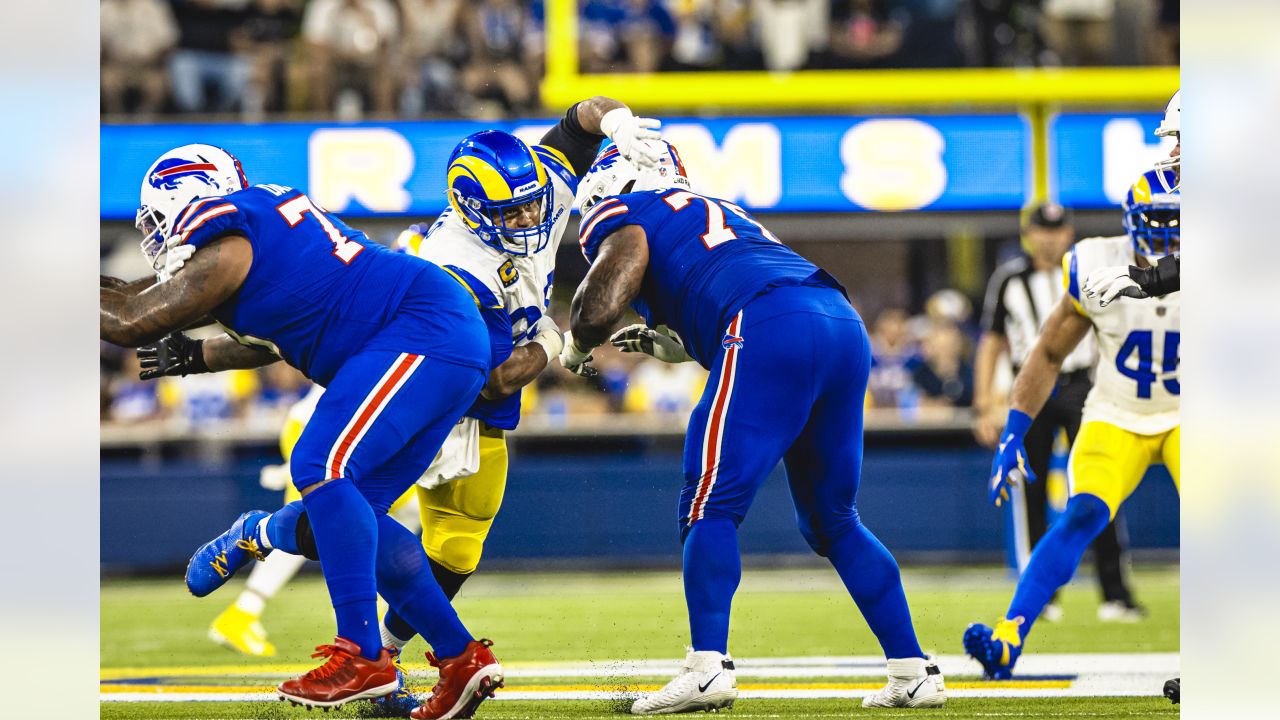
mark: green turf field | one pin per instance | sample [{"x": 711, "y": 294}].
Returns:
[{"x": 539, "y": 618}]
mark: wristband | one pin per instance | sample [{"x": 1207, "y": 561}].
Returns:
[
  {"x": 1017, "y": 423},
  {"x": 196, "y": 363},
  {"x": 551, "y": 341}
]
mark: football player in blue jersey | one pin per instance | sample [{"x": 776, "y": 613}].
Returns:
[
  {"x": 789, "y": 361},
  {"x": 398, "y": 343}
]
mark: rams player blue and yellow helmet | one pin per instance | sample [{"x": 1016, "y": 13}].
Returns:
[
  {"x": 1152, "y": 213},
  {"x": 495, "y": 179}
]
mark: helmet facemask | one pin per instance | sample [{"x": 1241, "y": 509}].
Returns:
[
  {"x": 1155, "y": 227},
  {"x": 490, "y": 219}
]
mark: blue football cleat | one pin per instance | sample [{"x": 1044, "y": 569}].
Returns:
[
  {"x": 217, "y": 560},
  {"x": 996, "y": 648},
  {"x": 400, "y": 702}
]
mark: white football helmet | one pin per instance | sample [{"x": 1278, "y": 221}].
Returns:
[
  {"x": 1171, "y": 126},
  {"x": 177, "y": 178},
  {"x": 612, "y": 174}
]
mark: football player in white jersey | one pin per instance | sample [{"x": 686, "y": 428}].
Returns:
[
  {"x": 1163, "y": 276},
  {"x": 1130, "y": 418}
]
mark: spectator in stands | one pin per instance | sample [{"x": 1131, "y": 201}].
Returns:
[
  {"x": 131, "y": 399},
  {"x": 894, "y": 354},
  {"x": 655, "y": 387},
  {"x": 929, "y": 34},
  {"x": 945, "y": 375},
  {"x": 1007, "y": 33},
  {"x": 1079, "y": 32},
  {"x": 496, "y": 67},
  {"x": 431, "y": 52},
  {"x": 863, "y": 34},
  {"x": 626, "y": 35},
  {"x": 349, "y": 50},
  {"x": 210, "y": 399},
  {"x": 137, "y": 38},
  {"x": 790, "y": 31},
  {"x": 266, "y": 39},
  {"x": 1164, "y": 47},
  {"x": 695, "y": 43},
  {"x": 206, "y": 59}
]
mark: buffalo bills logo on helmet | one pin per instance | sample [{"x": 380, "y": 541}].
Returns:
[
  {"x": 731, "y": 341},
  {"x": 168, "y": 172}
]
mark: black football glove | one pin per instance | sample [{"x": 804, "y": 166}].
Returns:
[{"x": 174, "y": 354}]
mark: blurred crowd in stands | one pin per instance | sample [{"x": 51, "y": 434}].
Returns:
[
  {"x": 484, "y": 58},
  {"x": 921, "y": 364}
]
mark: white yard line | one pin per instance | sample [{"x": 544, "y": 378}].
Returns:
[{"x": 1093, "y": 675}]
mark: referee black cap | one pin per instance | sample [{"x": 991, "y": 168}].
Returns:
[{"x": 1046, "y": 215}]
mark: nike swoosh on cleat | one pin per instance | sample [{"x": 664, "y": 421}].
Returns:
[
  {"x": 703, "y": 688},
  {"x": 912, "y": 693}
]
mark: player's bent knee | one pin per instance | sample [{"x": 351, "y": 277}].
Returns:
[
  {"x": 458, "y": 553},
  {"x": 1086, "y": 513}
]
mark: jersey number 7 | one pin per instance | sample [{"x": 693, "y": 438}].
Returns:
[
  {"x": 717, "y": 231},
  {"x": 293, "y": 210}
]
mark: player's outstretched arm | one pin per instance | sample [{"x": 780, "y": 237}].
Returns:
[
  {"x": 128, "y": 288},
  {"x": 210, "y": 277},
  {"x": 609, "y": 287},
  {"x": 1064, "y": 329},
  {"x": 577, "y": 135},
  {"x": 526, "y": 361}
]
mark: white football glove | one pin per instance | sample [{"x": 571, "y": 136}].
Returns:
[
  {"x": 575, "y": 359},
  {"x": 1108, "y": 283},
  {"x": 174, "y": 259},
  {"x": 662, "y": 342},
  {"x": 549, "y": 337},
  {"x": 632, "y": 135}
]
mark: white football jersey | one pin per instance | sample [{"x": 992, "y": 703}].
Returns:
[
  {"x": 1136, "y": 385},
  {"x": 521, "y": 285}
]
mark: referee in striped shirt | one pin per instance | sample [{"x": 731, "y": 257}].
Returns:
[{"x": 1020, "y": 296}]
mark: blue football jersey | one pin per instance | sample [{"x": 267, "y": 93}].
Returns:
[
  {"x": 319, "y": 291},
  {"x": 707, "y": 259}
]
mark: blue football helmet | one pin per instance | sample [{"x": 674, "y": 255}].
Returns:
[
  {"x": 1152, "y": 214},
  {"x": 492, "y": 175}
]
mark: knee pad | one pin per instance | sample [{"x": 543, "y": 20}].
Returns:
[
  {"x": 454, "y": 541},
  {"x": 305, "y": 538},
  {"x": 1086, "y": 514}
]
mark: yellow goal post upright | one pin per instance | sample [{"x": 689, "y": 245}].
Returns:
[{"x": 1036, "y": 92}]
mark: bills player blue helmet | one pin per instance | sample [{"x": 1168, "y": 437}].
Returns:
[
  {"x": 492, "y": 175},
  {"x": 177, "y": 178},
  {"x": 611, "y": 174},
  {"x": 1152, "y": 214}
]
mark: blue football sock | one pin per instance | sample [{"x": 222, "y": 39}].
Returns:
[
  {"x": 1056, "y": 557},
  {"x": 871, "y": 576},
  {"x": 282, "y": 527},
  {"x": 346, "y": 533},
  {"x": 406, "y": 583},
  {"x": 712, "y": 570}
]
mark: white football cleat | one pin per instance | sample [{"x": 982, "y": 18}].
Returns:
[
  {"x": 913, "y": 683},
  {"x": 705, "y": 683}
]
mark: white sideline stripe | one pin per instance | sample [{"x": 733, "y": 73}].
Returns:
[{"x": 1145, "y": 691}]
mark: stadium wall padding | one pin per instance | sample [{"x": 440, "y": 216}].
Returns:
[{"x": 615, "y": 507}]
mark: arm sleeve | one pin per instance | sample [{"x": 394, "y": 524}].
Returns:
[
  {"x": 576, "y": 145},
  {"x": 1159, "y": 280}
]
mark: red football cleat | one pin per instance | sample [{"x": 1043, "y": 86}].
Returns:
[
  {"x": 346, "y": 676},
  {"x": 465, "y": 682}
]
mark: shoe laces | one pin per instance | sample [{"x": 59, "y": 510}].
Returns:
[
  {"x": 337, "y": 658},
  {"x": 1007, "y": 631},
  {"x": 251, "y": 546}
]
